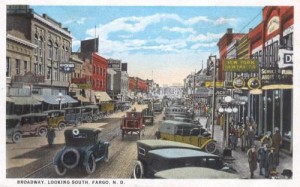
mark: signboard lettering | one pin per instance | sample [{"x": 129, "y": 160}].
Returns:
[
  {"x": 241, "y": 65},
  {"x": 79, "y": 80},
  {"x": 273, "y": 24},
  {"x": 218, "y": 84},
  {"x": 67, "y": 67},
  {"x": 29, "y": 78}
]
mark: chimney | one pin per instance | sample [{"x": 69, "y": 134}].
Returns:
[{"x": 229, "y": 31}]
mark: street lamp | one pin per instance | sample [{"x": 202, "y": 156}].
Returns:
[{"x": 60, "y": 98}]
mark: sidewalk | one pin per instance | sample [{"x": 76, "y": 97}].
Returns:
[{"x": 240, "y": 162}]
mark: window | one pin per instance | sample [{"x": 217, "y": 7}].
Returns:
[
  {"x": 63, "y": 54},
  {"x": 49, "y": 73},
  {"x": 25, "y": 67},
  {"x": 50, "y": 50},
  {"x": 41, "y": 46},
  {"x": 55, "y": 52},
  {"x": 7, "y": 67},
  {"x": 35, "y": 68},
  {"x": 288, "y": 41},
  {"x": 55, "y": 74},
  {"x": 66, "y": 54},
  {"x": 40, "y": 69},
  {"x": 36, "y": 42},
  {"x": 17, "y": 66}
]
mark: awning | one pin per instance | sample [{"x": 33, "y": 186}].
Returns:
[
  {"x": 54, "y": 99},
  {"x": 38, "y": 97},
  {"x": 8, "y": 99},
  {"x": 83, "y": 99},
  {"x": 102, "y": 96},
  {"x": 129, "y": 96},
  {"x": 24, "y": 100},
  {"x": 278, "y": 87}
]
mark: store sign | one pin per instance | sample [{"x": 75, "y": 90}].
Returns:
[
  {"x": 222, "y": 92},
  {"x": 203, "y": 78},
  {"x": 84, "y": 86},
  {"x": 285, "y": 58},
  {"x": 29, "y": 77},
  {"x": 67, "y": 67},
  {"x": 241, "y": 65},
  {"x": 79, "y": 80},
  {"x": 276, "y": 76},
  {"x": 114, "y": 65},
  {"x": 273, "y": 24},
  {"x": 238, "y": 83},
  {"x": 218, "y": 84}
]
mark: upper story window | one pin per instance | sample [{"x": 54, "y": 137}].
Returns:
[
  {"x": 55, "y": 52},
  {"x": 288, "y": 41},
  {"x": 25, "y": 67},
  {"x": 17, "y": 66},
  {"x": 50, "y": 49},
  {"x": 40, "y": 46},
  {"x": 7, "y": 67}
]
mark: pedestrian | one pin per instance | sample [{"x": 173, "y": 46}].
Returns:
[
  {"x": 208, "y": 119},
  {"x": 270, "y": 163},
  {"x": 276, "y": 142},
  {"x": 50, "y": 136},
  {"x": 242, "y": 134},
  {"x": 235, "y": 132},
  {"x": 262, "y": 158},
  {"x": 251, "y": 133},
  {"x": 232, "y": 141},
  {"x": 252, "y": 160}
]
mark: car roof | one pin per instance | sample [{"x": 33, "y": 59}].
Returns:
[
  {"x": 13, "y": 117},
  {"x": 194, "y": 173},
  {"x": 90, "y": 131},
  {"x": 161, "y": 144},
  {"x": 174, "y": 122},
  {"x": 180, "y": 153},
  {"x": 90, "y": 106},
  {"x": 34, "y": 114},
  {"x": 50, "y": 111}
]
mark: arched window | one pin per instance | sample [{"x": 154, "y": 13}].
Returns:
[
  {"x": 55, "y": 52},
  {"x": 41, "y": 46}
]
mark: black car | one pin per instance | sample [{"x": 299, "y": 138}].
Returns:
[
  {"x": 160, "y": 155},
  {"x": 83, "y": 147}
]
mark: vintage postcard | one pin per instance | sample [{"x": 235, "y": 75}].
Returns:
[{"x": 149, "y": 94}]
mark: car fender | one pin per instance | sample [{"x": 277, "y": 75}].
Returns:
[
  {"x": 206, "y": 142},
  {"x": 57, "y": 156},
  {"x": 86, "y": 157}
]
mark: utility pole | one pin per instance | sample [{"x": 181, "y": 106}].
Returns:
[{"x": 214, "y": 98}]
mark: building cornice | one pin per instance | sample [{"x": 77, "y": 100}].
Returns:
[{"x": 18, "y": 40}]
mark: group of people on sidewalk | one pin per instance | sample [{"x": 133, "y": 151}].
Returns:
[{"x": 266, "y": 156}]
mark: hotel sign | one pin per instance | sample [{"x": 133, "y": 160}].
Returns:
[
  {"x": 241, "y": 65},
  {"x": 29, "y": 78}
]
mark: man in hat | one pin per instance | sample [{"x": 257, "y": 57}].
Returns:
[
  {"x": 252, "y": 160},
  {"x": 262, "y": 158},
  {"x": 50, "y": 136},
  {"x": 270, "y": 166},
  {"x": 276, "y": 142}
]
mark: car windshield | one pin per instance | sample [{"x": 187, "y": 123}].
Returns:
[{"x": 11, "y": 123}]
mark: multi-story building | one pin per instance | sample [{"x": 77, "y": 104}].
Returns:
[{"x": 51, "y": 45}]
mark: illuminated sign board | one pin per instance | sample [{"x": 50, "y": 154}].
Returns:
[{"x": 241, "y": 65}]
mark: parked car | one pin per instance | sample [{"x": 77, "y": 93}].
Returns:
[
  {"x": 132, "y": 123},
  {"x": 90, "y": 113},
  {"x": 186, "y": 133},
  {"x": 159, "y": 155},
  {"x": 73, "y": 116},
  {"x": 56, "y": 119},
  {"x": 83, "y": 148},
  {"x": 194, "y": 173},
  {"x": 125, "y": 105},
  {"x": 157, "y": 107},
  {"x": 33, "y": 123},
  {"x": 148, "y": 116},
  {"x": 175, "y": 111}
]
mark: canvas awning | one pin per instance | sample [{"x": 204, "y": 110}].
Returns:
[
  {"x": 102, "y": 96},
  {"x": 278, "y": 87},
  {"x": 82, "y": 99},
  {"x": 54, "y": 99},
  {"x": 24, "y": 100}
]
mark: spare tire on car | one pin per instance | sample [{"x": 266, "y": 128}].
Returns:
[{"x": 70, "y": 158}]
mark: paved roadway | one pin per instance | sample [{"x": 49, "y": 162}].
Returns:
[{"x": 33, "y": 158}]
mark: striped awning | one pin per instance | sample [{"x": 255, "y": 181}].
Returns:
[
  {"x": 55, "y": 99},
  {"x": 102, "y": 96},
  {"x": 83, "y": 99},
  {"x": 24, "y": 100}
]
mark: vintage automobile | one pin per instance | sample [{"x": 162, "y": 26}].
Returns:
[
  {"x": 132, "y": 123},
  {"x": 73, "y": 116},
  {"x": 106, "y": 108},
  {"x": 125, "y": 105},
  {"x": 56, "y": 119},
  {"x": 194, "y": 173},
  {"x": 83, "y": 147},
  {"x": 175, "y": 111},
  {"x": 157, "y": 106},
  {"x": 186, "y": 133},
  {"x": 32, "y": 123},
  {"x": 148, "y": 116},
  {"x": 90, "y": 113},
  {"x": 159, "y": 155}
]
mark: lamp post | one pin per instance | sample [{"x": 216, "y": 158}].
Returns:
[
  {"x": 227, "y": 110},
  {"x": 214, "y": 98}
]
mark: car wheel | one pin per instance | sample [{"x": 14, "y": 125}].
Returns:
[
  {"x": 89, "y": 119},
  {"x": 42, "y": 131},
  {"x": 60, "y": 170},
  {"x": 211, "y": 147},
  {"x": 61, "y": 126},
  {"x": 16, "y": 137},
  {"x": 95, "y": 118},
  {"x": 91, "y": 165},
  {"x": 70, "y": 158},
  {"x": 138, "y": 170}
]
